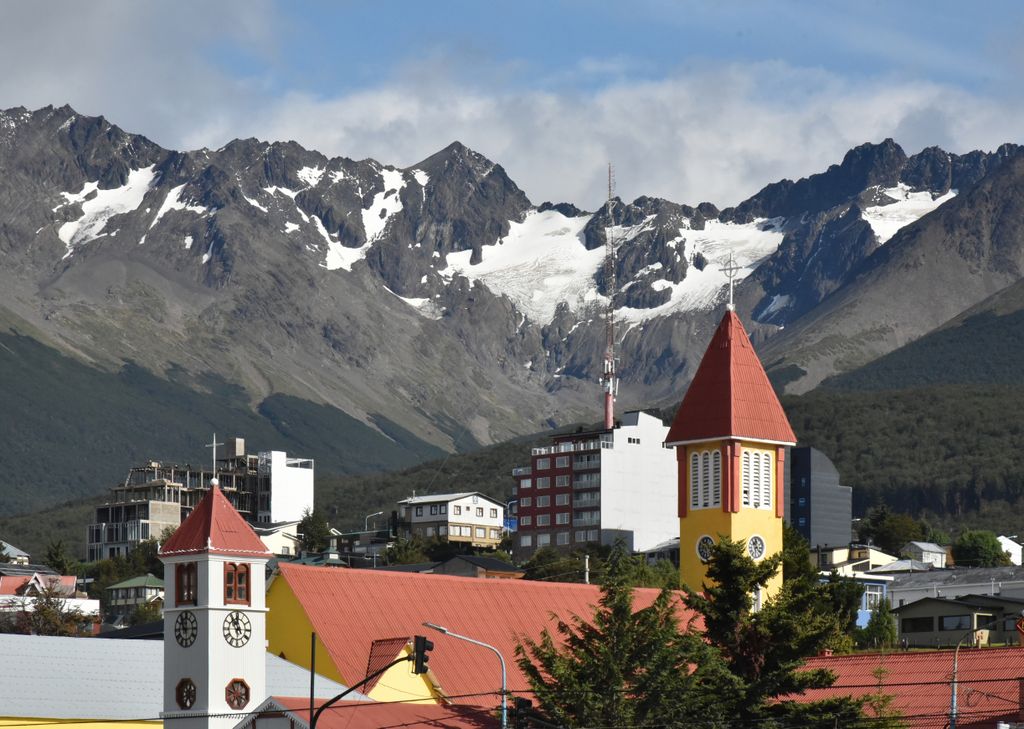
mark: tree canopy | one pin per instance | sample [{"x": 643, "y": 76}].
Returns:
[{"x": 979, "y": 548}]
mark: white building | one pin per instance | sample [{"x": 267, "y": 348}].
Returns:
[
  {"x": 470, "y": 517},
  {"x": 953, "y": 583},
  {"x": 285, "y": 487},
  {"x": 599, "y": 486},
  {"x": 1012, "y": 548},
  {"x": 926, "y": 552}
]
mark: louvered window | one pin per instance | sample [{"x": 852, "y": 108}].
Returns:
[
  {"x": 694, "y": 481},
  {"x": 746, "y": 478}
]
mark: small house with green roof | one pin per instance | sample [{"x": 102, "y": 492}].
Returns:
[{"x": 124, "y": 598}]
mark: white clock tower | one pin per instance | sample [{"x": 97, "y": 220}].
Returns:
[{"x": 214, "y": 618}]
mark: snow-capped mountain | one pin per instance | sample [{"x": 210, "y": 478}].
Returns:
[{"x": 437, "y": 296}]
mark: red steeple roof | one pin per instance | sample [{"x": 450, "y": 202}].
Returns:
[
  {"x": 214, "y": 526},
  {"x": 730, "y": 396}
]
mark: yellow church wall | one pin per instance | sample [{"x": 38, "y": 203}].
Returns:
[
  {"x": 288, "y": 631},
  {"x": 715, "y": 522},
  {"x": 9, "y": 721},
  {"x": 399, "y": 683}
]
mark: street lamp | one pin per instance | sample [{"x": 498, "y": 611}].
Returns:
[
  {"x": 445, "y": 631},
  {"x": 366, "y": 521},
  {"x": 956, "y": 655}
]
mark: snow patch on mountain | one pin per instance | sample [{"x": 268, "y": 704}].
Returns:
[
  {"x": 310, "y": 175},
  {"x": 106, "y": 204},
  {"x": 254, "y": 203},
  {"x": 749, "y": 243},
  {"x": 540, "y": 263},
  {"x": 385, "y": 204},
  {"x": 173, "y": 202},
  {"x": 907, "y": 207},
  {"x": 283, "y": 190}
]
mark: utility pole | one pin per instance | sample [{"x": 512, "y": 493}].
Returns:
[{"x": 608, "y": 379}]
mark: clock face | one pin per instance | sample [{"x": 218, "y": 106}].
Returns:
[
  {"x": 237, "y": 694},
  {"x": 237, "y": 628},
  {"x": 755, "y": 547},
  {"x": 186, "y": 628},
  {"x": 704, "y": 546},
  {"x": 185, "y": 693}
]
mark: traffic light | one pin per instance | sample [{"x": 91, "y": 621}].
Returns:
[
  {"x": 521, "y": 713},
  {"x": 420, "y": 646}
]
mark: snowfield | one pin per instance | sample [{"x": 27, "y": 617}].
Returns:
[
  {"x": 886, "y": 220},
  {"x": 101, "y": 208}
]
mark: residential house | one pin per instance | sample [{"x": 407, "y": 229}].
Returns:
[
  {"x": 936, "y": 622},
  {"x": 127, "y": 596},
  {"x": 989, "y": 686},
  {"x": 18, "y": 591},
  {"x": 468, "y": 565},
  {"x": 598, "y": 486},
  {"x": 470, "y": 518},
  {"x": 901, "y": 566},
  {"x": 14, "y": 555},
  {"x": 848, "y": 560},
  {"x": 266, "y": 488},
  {"x": 876, "y": 589},
  {"x": 361, "y": 617},
  {"x": 1012, "y": 548},
  {"x": 282, "y": 538},
  {"x": 1001, "y": 581},
  {"x": 927, "y": 552}
]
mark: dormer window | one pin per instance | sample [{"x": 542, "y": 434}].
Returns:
[
  {"x": 236, "y": 584},
  {"x": 186, "y": 584}
]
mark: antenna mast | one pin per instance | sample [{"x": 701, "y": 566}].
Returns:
[{"x": 608, "y": 378}]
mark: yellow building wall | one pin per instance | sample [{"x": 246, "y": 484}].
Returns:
[
  {"x": 288, "y": 631},
  {"x": 7, "y": 721},
  {"x": 738, "y": 526}
]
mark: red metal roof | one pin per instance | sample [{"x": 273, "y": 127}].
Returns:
[
  {"x": 214, "y": 526},
  {"x": 381, "y": 715},
  {"x": 350, "y": 609},
  {"x": 988, "y": 679},
  {"x": 730, "y": 396}
]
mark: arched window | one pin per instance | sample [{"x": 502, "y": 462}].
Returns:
[
  {"x": 746, "y": 478},
  {"x": 716, "y": 478},
  {"x": 694, "y": 481},
  {"x": 236, "y": 583},
  {"x": 186, "y": 584}
]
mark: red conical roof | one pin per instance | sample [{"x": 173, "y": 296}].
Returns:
[
  {"x": 214, "y": 526},
  {"x": 730, "y": 396}
]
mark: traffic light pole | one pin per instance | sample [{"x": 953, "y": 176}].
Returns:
[
  {"x": 504, "y": 693},
  {"x": 353, "y": 687}
]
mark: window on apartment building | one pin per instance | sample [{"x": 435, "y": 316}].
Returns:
[
  {"x": 525, "y": 520},
  {"x": 592, "y": 535},
  {"x": 917, "y": 625},
  {"x": 236, "y": 583},
  {"x": 479, "y": 511},
  {"x": 581, "y": 535},
  {"x": 562, "y": 538},
  {"x": 543, "y": 482},
  {"x": 543, "y": 464},
  {"x": 443, "y": 508},
  {"x": 562, "y": 517},
  {"x": 494, "y": 534},
  {"x": 187, "y": 584},
  {"x": 457, "y": 510},
  {"x": 433, "y": 509},
  {"x": 561, "y": 499},
  {"x": 872, "y": 596},
  {"x": 543, "y": 540},
  {"x": 561, "y": 481},
  {"x": 543, "y": 519},
  {"x": 525, "y": 501},
  {"x": 526, "y": 540},
  {"x": 419, "y": 511},
  {"x": 494, "y": 513},
  {"x": 481, "y": 532},
  {"x": 562, "y": 462},
  {"x": 802, "y": 501},
  {"x": 543, "y": 501},
  {"x": 442, "y": 531},
  {"x": 525, "y": 483}
]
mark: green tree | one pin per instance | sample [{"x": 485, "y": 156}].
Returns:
[
  {"x": 979, "y": 548},
  {"x": 314, "y": 531},
  {"x": 890, "y": 532},
  {"x": 878, "y": 705},
  {"x": 50, "y": 615},
  {"x": 407, "y": 551},
  {"x": 880, "y": 632},
  {"x": 146, "y": 613},
  {"x": 58, "y": 559},
  {"x": 765, "y": 650},
  {"x": 624, "y": 667}
]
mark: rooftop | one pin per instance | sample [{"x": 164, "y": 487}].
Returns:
[
  {"x": 435, "y": 498},
  {"x": 214, "y": 526},
  {"x": 146, "y": 580},
  {"x": 960, "y": 576},
  {"x": 374, "y": 715}
]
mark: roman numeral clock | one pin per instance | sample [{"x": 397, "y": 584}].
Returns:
[{"x": 214, "y": 669}]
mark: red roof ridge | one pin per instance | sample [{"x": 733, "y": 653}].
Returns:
[
  {"x": 214, "y": 527},
  {"x": 730, "y": 395}
]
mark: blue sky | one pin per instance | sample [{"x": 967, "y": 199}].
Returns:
[{"x": 690, "y": 100}]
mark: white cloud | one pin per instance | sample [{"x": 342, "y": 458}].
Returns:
[{"x": 708, "y": 132}]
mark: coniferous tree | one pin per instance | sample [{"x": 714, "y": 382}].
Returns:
[
  {"x": 58, "y": 559},
  {"x": 314, "y": 531},
  {"x": 880, "y": 632}
]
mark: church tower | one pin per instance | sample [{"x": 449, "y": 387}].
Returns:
[
  {"x": 730, "y": 436},
  {"x": 214, "y": 617}
]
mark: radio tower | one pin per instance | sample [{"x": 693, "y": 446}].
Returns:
[{"x": 608, "y": 379}]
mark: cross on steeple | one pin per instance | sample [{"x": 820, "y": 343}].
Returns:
[
  {"x": 214, "y": 445},
  {"x": 730, "y": 270}
]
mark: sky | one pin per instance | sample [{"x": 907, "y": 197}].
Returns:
[{"x": 690, "y": 101}]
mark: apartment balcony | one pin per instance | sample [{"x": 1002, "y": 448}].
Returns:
[
  {"x": 587, "y": 481},
  {"x": 584, "y": 462},
  {"x": 587, "y": 445},
  {"x": 522, "y": 471},
  {"x": 586, "y": 501},
  {"x": 593, "y": 519}
]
